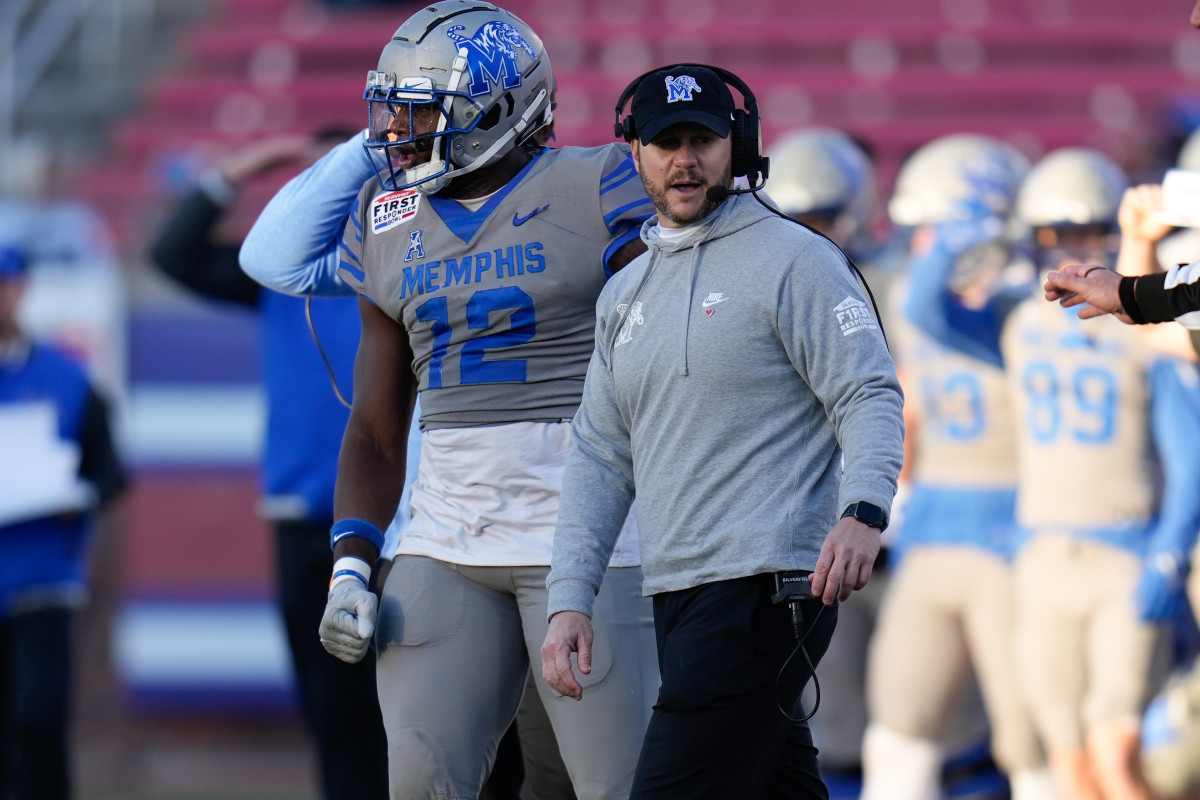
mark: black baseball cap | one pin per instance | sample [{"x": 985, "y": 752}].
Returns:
[{"x": 678, "y": 94}]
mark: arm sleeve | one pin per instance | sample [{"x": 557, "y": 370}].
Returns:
[
  {"x": 623, "y": 201},
  {"x": 183, "y": 249},
  {"x": 295, "y": 244},
  {"x": 351, "y": 271},
  {"x": 1162, "y": 297},
  {"x": 100, "y": 464},
  {"x": 865, "y": 402},
  {"x": 596, "y": 495},
  {"x": 1175, "y": 420},
  {"x": 934, "y": 309}
]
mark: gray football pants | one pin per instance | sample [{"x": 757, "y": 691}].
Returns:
[{"x": 455, "y": 643}]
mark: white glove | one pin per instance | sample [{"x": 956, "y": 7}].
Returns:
[{"x": 349, "y": 620}]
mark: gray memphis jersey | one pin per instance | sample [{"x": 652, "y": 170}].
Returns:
[{"x": 499, "y": 303}]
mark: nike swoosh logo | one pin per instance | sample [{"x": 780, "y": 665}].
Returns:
[
  {"x": 518, "y": 220},
  {"x": 707, "y": 303}
]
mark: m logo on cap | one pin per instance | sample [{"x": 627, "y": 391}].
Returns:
[{"x": 681, "y": 88}]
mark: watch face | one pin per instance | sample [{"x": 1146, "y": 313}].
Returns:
[{"x": 868, "y": 514}]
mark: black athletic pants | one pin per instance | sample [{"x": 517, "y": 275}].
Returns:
[
  {"x": 717, "y": 730},
  {"x": 338, "y": 700},
  {"x": 35, "y": 676}
]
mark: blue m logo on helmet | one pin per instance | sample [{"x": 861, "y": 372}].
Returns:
[
  {"x": 681, "y": 88},
  {"x": 492, "y": 55}
]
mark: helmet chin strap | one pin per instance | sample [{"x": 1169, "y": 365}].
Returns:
[
  {"x": 433, "y": 172},
  {"x": 502, "y": 145}
]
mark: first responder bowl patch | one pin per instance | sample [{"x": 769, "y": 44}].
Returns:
[{"x": 389, "y": 210}]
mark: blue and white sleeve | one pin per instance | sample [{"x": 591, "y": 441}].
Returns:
[
  {"x": 623, "y": 201},
  {"x": 295, "y": 244},
  {"x": 1175, "y": 420},
  {"x": 937, "y": 311}
]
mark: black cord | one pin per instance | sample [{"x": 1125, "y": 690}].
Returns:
[
  {"x": 797, "y": 626},
  {"x": 317, "y": 340},
  {"x": 862, "y": 279}
]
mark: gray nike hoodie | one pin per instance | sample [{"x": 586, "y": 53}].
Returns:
[{"x": 742, "y": 390}]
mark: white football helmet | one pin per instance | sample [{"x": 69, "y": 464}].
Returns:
[
  {"x": 1072, "y": 186},
  {"x": 1189, "y": 154},
  {"x": 485, "y": 73},
  {"x": 822, "y": 171},
  {"x": 952, "y": 170}
]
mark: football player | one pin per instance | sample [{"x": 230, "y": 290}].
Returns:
[
  {"x": 1106, "y": 482},
  {"x": 947, "y": 620},
  {"x": 478, "y": 255}
]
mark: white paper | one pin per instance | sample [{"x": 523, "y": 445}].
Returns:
[
  {"x": 39, "y": 472},
  {"x": 1181, "y": 198}
]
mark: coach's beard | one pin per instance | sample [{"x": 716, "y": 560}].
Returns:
[{"x": 659, "y": 197}]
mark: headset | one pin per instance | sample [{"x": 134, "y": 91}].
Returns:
[
  {"x": 745, "y": 130},
  {"x": 746, "y": 158}
]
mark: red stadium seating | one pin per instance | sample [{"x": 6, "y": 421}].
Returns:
[{"x": 1043, "y": 73}]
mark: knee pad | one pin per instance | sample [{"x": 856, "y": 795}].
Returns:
[
  {"x": 900, "y": 767},
  {"x": 418, "y": 768}
]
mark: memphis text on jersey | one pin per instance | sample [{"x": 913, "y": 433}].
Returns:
[{"x": 505, "y": 262}]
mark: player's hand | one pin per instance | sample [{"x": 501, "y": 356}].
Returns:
[
  {"x": 1140, "y": 213},
  {"x": 570, "y": 632},
  {"x": 846, "y": 561},
  {"x": 1160, "y": 593},
  {"x": 265, "y": 154},
  {"x": 349, "y": 620},
  {"x": 1075, "y": 284}
]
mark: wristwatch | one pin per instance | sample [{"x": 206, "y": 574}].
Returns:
[{"x": 867, "y": 514}]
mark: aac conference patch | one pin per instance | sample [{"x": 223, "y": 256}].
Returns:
[{"x": 389, "y": 210}]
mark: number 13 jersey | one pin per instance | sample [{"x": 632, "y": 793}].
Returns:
[{"x": 499, "y": 302}]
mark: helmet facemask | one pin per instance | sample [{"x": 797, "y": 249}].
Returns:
[
  {"x": 460, "y": 85},
  {"x": 1070, "y": 203},
  {"x": 409, "y": 121}
]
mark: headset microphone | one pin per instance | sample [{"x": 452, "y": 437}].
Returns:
[{"x": 717, "y": 194}]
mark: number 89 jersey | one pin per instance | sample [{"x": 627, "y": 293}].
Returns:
[
  {"x": 1087, "y": 456},
  {"x": 499, "y": 302}
]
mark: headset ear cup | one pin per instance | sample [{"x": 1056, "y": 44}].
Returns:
[
  {"x": 746, "y": 159},
  {"x": 752, "y": 147},
  {"x": 625, "y": 129},
  {"x": 738, "y": 145}
]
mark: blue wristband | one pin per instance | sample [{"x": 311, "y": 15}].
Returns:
[
  {"x": 352, "y": 573},
  {"x": 355, "y": 527}
]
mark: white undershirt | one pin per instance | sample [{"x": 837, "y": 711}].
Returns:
[
  {"x": 488, "y": 496},
  {"x": 678, "y": 235}
]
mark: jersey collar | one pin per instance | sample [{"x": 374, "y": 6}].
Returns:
[{"x": 463, "y": 222}]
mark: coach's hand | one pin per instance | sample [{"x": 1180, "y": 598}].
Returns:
[
  {"x": 570, "y": 632},
  {"x": 349, "y": 620},
  {"x": 846, "y": 561}
]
